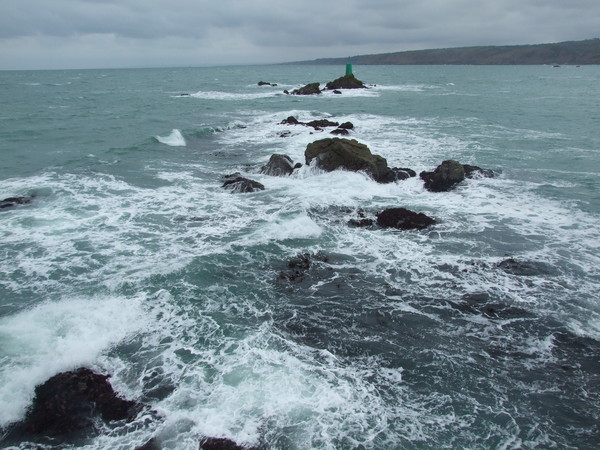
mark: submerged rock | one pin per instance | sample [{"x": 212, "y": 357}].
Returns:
[
  {"x": 279, "y": 165},
  {"x": 345, "y": 82},
  {"x": 403, "y": 219},
  {"x": 221, "y": 444},
  {"x": 348, "y": 154},
  {"x": 445, "y": 177},
  {"x": 239, "y": 184},
  {"x": 11, "y": 202},
  {"x": 72, "y": 401},
  {"x": 309, "y": 89}
]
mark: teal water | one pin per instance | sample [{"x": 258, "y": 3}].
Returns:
[{"x": 132, "y": 260}]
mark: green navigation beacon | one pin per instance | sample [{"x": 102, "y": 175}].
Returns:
[{"x": 348, "y": 67}]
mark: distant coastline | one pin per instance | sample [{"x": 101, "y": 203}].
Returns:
[{"x": 571, "y": 52}]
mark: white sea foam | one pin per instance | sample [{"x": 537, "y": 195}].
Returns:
[
  {"x": 175, "y": 139},
  {"x": 57, "y": 336}
]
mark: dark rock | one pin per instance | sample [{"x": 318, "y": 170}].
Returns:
[
  {"x": 348, "y": 154},
  {"x": 361, "y": 223},
  {"x": 11, "y": 202},
  {"x": 291, "y": 120},
  {"x": 340, "y": 132},
  {"x": 71, "y": 401},
  {"x": 278, "y": 166},
  {"x": 221, "y": 444},
  {"x": 525, "y": 268},
  {"x": 403, "y": 219},
  {"x": 322, "y": 123},
  {"x": 345, "y": 82},
  {"x": 264, "y": 83},
  {"x": 243, "y": 185},
  {"x": 309, "y": 89},
  {"x": 445, "y": 177},
  {"x": 347, "y": 126},
  {"x": 474, "y": 171}
]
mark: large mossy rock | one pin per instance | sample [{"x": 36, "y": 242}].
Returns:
[
  {"x": 345, "y": 82},
  {"x": 445, "y": 176},
  {"x": 348, "y": 154},
  {"x": 309, "y": 89}
]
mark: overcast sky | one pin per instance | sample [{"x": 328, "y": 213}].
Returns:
[{"x": 41, "y": 34}]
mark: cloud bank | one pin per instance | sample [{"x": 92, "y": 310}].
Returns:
[{"x": 147, "y": 33}]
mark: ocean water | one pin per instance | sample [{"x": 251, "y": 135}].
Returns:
[{"x": 480, "y": 332}]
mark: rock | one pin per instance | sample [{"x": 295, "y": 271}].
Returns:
[
  {"x": 291, "y": 120},
  {"x": 345, "y": 82},
  {"x": 11, "y": 202},
  {"x": 339, "y": 153},
  {"x": 474, "y": 171},
  {"x": 322, "y": 123},
  {"x": 340, "y": 132},
  {"x": 347, "y": 126},
  {"x": 361, "y": 223},
  {"x": 278, "y": 166},
  {"x": 264, "y": 83},
  {"x": 309, "y": 89},
  {"x": 221, "y": 444},
  {"x": 403, "y": 219},
  {"x": 445, "y": 177},
  {"x": 72, "y": 401},
  {"x": 239, "y": 184}
]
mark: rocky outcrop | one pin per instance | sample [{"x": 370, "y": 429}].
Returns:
[
  {"x": 73, "y": 401},
  {"x": 445, "y": 176},
  {"x": 448, "y": 174},
  {"x": 309, "y": 89},
  {"x": 345, "y": 82},
  {"x": 278, "y": 166},
  {"x": 221, "y": 444},
  {"x": 348, "y": 154},
  {"x": 238, "y": 184},
  {"x": 11, "y": 202},
  {"x": 403, "y": 219}
]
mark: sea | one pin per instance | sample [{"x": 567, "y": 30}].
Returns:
[{"x": 264, "y": 317}]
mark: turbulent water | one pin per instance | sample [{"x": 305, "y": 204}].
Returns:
[{"x": 482, "y": 331}]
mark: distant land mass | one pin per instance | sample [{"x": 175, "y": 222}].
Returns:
[{"x": 570, "y": 52}]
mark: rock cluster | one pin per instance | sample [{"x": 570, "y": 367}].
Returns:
[{"x": 348, "y": 154}]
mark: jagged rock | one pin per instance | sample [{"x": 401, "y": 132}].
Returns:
[
  {"x": 11, "y": 202},
  {"x": 239, "y": 184},
  {"x": 403, "y": 219},
  {"x": 361, "y": 223},
  {"x": 221, "y": 444},
  {"x": 474, "y": 171},
  {"x": 291, "y": 120},
  {"x": 309, "y": 89},
  {"x": 445, "y": 177},
  {"x": 322, "y": 123},
  {"x": 278, "y": 166},
  {"x": 71, "y": 401},
  {"x": 348, "y": 154},
  {"x": 345, "y": 82}
]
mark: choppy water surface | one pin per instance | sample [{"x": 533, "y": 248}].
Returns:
[{"x": 480, "y": 332}]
